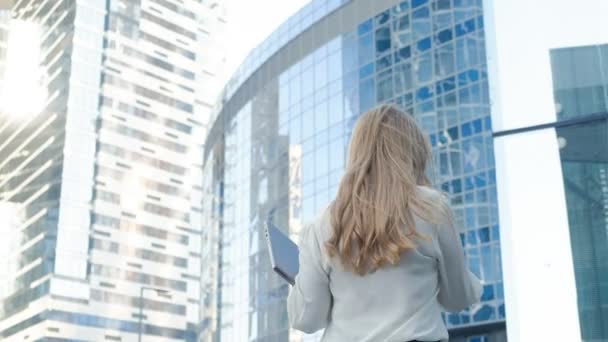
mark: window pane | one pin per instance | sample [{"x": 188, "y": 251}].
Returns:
[{"x": 584, "y": 159}]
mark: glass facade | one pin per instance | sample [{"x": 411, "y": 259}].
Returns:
[
  {"x": 278, "y": 149},
  {"x": 101, "y": 184},
  {"x": 581, "y": 91},
  {"x": 580, "y": 80}
]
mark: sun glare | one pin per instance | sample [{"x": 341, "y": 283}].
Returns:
[{"x": 23, "y": 91}]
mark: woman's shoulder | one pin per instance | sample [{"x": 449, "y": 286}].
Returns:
[
  {"x": 322, "y": 224},
  {"x": 434, "y": 205},
  {"x": 430, "y": 193},
  {"x": 317, "y": 230}
]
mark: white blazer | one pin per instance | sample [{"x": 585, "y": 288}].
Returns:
[{"x": 398, "y": 303}]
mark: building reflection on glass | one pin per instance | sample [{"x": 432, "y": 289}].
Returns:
[{"x": 580, "y": 81}]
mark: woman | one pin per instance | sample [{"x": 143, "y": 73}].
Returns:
[{"x": 384, "y": 260}]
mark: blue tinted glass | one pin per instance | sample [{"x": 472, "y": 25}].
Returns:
[
  {"x": 408, "y": 100},
  {"x": 439, "y": 5},
  {"x": 403, "y": 78},
  {"x": 465, "y": 318},
  {"x": 426, "y": 107},
  {"x": 366, "y": 70},
  {"x": 496, "y": 261},
  {"x": 443, "y": 166},
  {"x": 446, "y": 85},
  {"x": 321, "y": 116},
  {"x": 485, "y": 313},
  {"x": 477, "y": 126},
  {"x": 470, "y": 25},
  {"x": 495, "y": 233},
  {"x": 474, "y": 266},
  {"x": 501, "y": 311},
  {"x": 365, "y": 27},
  {"x": 416, "y": 3},
  {"x": 385, "y": 73},
  {"x": 470, "y": 76},
  {"x": 499, "y": 291},
  {"x": 308, "y": 170},
  {"x": 421, "y": 24},
  {"x": 307, "y": 82},
  {"x": 424, "y": 44},
  {"x": 461, "y": 55},
  {"x": 449, "y": 99},
  {"x": 385, "y": 88},
  {"x": 425, "y": 68},
  {"x": 486, "y": 262},
  {"x": 384, "y": 62},
  {"x": 454, "y": 318},
  {"x": 382, "y": 18},
  {"x": 366, "y": 49},
  {"x": 472, "y": 51},
  {"x": 295, "y": 130},
  {"x": 462, "y": 241},
  {"x": 460, "y": 29},
  {"x": 492, "y": 176},
  {"x": 464, "y": 95},
  {"x": 308, "y": 102},
  {"x": 487, "y": 123},
  {"x": 421, "y": 13},
  {"x": 453, "y": 132},
  {"x": 488, "y": 293},
  {"x": 484, "y": 234},
  {"x": 469, "y": 183},
  {"x": 349, "y": 52},
  {"x": 442, "y": 138},
  {"x": 469, "y": 197},
  {"x": 308, "y": 124},
  {"x": 480, "y": 179},
  {"x": 321, "y": 73},
  {"x": 401, "y": 7},
  {"x": 423, "y": 94},
  {"x": 444, "y": 60},
  {"x": 383, "y": 40},
  {"x": 467, "y": 130},
  {"x": 433, "y": 139},
  {"x": 482, "y": 195},
  {"x": 336, "y": 110},
  {"x": 444, "y": 36},
  {"x": 322, "y": 165},
  {"x": 475, "y": 91},
  {"x": 403, "y": 54},
  {"x": 336, "y": 159},
  {"x": 403, "y": 38},
  {"x": 471, "y": 238},
  {"x": 470, "y": 223},
  {"x": 367, "y": 95},
  {"x": 480, "y": 22},
  {"x": 402, "y": 23}
]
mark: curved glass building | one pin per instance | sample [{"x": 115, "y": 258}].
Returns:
[{"x": 277, "y": 146}]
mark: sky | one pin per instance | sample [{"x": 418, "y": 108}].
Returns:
[{"x": 250, "y": 22}]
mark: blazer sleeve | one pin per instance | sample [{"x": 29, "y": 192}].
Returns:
[
  {"x": 459, "y": 288},
  {"x": 309, "y": 302}
]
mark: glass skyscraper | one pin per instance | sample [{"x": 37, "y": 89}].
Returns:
[
  {"x": 103, "y": 112},
  {"x": 277, "y": 146},
  {"x": 580, "y": 82}
]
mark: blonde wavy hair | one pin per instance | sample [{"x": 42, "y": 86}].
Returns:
[{"x": 379, "y": 195}]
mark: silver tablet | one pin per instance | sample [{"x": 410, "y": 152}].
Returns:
[{"x": 283, "y": 253}]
